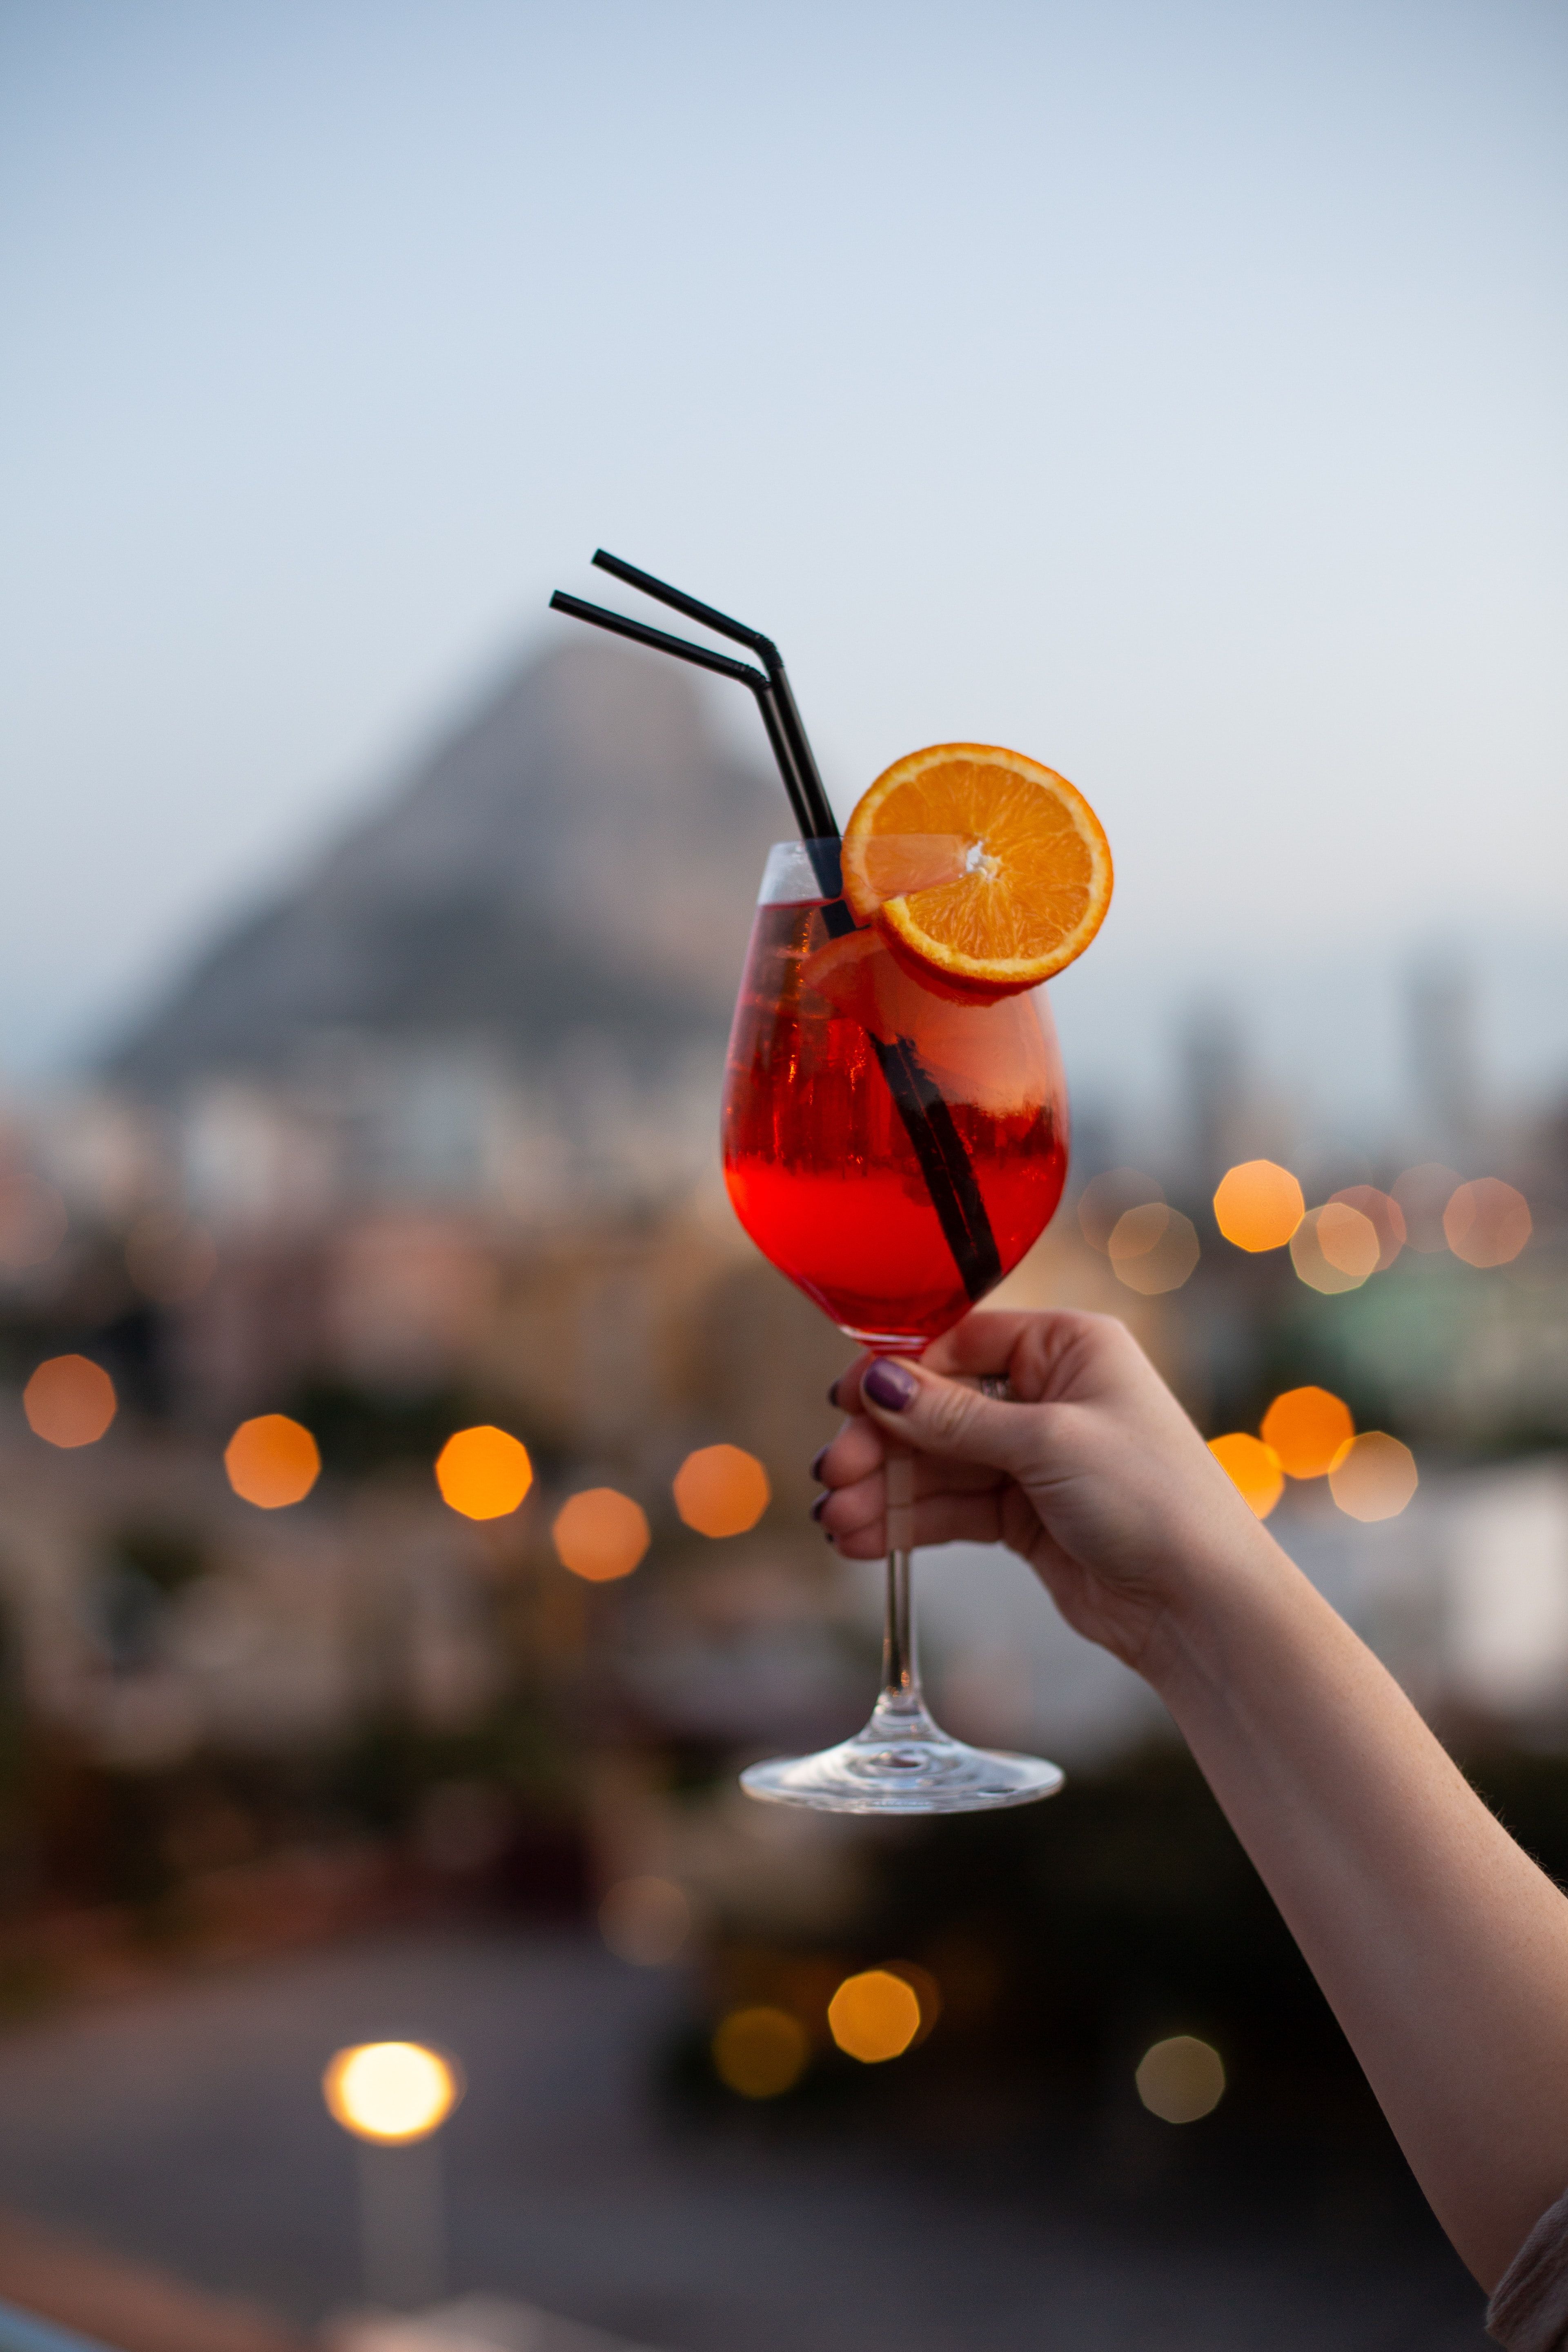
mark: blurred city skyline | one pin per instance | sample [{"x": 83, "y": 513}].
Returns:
[{"x": 1178, "y": 397}]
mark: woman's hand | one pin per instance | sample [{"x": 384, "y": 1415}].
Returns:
[{"x": 1094, "y": 1473}]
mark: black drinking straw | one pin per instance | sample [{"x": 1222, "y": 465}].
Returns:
[{"x": 926, "y": 1114}]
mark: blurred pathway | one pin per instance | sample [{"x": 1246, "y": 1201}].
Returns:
[{"x": 186, "y": 2128}]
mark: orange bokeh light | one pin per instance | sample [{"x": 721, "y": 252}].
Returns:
[
  {"x": 1258, "y": 1205},
  {"x": 1349, "y": 1239},
  {"x": 272, "y": 1461},
  {"x": 1487, "y": 1223},
  {"x": 721, "y": 1490},
  {"x": 483, "y": 1472},
  {"x": 69, "y": 1401},
  {"x": 1385, "y": 1215},
  {"x": 1334, "y": 1248},
  {"x": 1373, "y": 1477},
  {"x": 874, "y": 2016},
  {"x": 761, "y": 2052},
  {"x": 1252, "y": 1466},
  {"x": 600, "y": 1534},
  {"x": 1306, "y": 1428},
  {"x": 1153, "y": 1248}
]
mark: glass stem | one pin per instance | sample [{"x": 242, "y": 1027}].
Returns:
[{"x": 901, "y": 1694}]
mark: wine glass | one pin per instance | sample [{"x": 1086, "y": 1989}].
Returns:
[{"x": 894, "y": 1150}]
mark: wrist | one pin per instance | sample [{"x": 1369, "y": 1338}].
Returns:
[{"x": 1220, "y": 1596}]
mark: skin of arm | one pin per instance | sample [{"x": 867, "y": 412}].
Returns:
[{"x": 1441, "y": 1947}]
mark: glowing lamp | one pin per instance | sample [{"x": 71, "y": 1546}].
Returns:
[{"x": 391, "y": 2091}]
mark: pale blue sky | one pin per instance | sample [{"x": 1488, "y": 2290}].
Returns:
[{"x": 1174, "y": 391}]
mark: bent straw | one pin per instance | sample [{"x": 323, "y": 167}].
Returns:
[
  {"x": 823, "y": 825},
  {"x": 924, "y": 1111},
  {"x": 621, "y": 625}
]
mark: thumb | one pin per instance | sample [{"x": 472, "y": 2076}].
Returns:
[{"x": 937, "y": 1415}]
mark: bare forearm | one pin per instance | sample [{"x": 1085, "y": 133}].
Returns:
[{"x": 1440, "y": 1946}]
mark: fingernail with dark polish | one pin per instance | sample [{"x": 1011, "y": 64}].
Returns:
[
  {"x": 820, "y": 1505},
  {"x": 889, "y": 1384},
  {"x": 833, "y": 1393},
  {"x": 817, "y": 1459}
]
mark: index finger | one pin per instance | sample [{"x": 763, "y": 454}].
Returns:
[{"x": 983, "y": 1343}]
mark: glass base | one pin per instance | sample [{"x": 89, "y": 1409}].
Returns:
[
  {"x": 901, "y": 1763},
  {"x": 889, "y": 1343}
]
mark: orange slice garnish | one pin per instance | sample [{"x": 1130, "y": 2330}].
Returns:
[{"x": 983, "y": 868}]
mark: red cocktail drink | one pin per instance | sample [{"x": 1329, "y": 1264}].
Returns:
[{"x": 818, "y": 1160}]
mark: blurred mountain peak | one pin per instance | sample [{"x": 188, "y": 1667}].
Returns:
[{"x": 575, "y": 854}]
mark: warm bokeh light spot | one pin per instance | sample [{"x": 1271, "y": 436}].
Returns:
[
  {"x": 1306, "y": 1428},
  {"x": 721, "y": 1490},
  {"x": 1258, "y": 1205},
  {"x": 874, "y": 2016},
  {"x": 1422, "y": 1194},
  {"x": 1373, "y": 1477},
  {"x": 1386, "y": 1217},
  {"x": 391, "y": 2091},
  {"x": 600, "y": 1534},
  {"x": 761, "y": 2051},
  {"x": 1252, "y": 1466},
  {"x": 1180, "y": 2079},
  {"x": 1349, "y": 1239},
  {"x": 1334, "y": 1248},
  {"x": 1487, "y": 1223},
  {"x": 1107, "y": 1198},
  {"x": 1153, "y": 1248},
  {"x": 69, "y": 1400},
  {"x": 272, "y": 1461},
  {"x": 484, "y": 1472},
  {"x": 645, "y": 1920}
]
